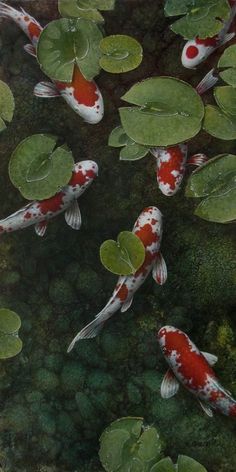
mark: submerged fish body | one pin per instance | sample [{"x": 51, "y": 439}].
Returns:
[
  {"x": 171, "y": 163},
  {"x": 198, "y": 50},
  {"x": 82, "y": 95},
  {"x": 148, "y": 228},
  {"x": 192, "y": 368},
  {"x": 39, "y": 212}
]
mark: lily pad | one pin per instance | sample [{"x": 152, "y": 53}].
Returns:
[
  {"x": 203, "y": 18},
  {"x": 126, "y": 446},
  {"x": 120, "y": 53},
  {"x": 7, "y": 105},
  {"x": 216, "y": 180},
  {"x": 118, "y": 137},
  {"x": 228, "y": 61},
  {"x": 87, "y": 9},
  {"x": 187, "y": 464},
  {"x": 67, "y": 42},
  {"x": 39, "y": 169},
  {"x": 226, "y": 99},
  {"x": 218, "y": 124},
  {"x": 10, "y": 344},
  {"x": 133, "y": 152},
  {"x": 165, "y": 465},
  {"x": 169, "y": 112},
  {"x": 125, "y": 256}
]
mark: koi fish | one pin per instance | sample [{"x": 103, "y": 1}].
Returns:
[
  {"x": 197, "y": 50},
  {"x": 83, "y": 96},
  {"x": 148, "y": 228},
  {"x": 193, "y": 369},
  {"x": 171, "y": 161},
  {"x": 38, "y": 213}
]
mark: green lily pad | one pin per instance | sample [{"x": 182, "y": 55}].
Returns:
[
  {"x": 7, "y": 105},
  {"x": 87, "y": 9},
  {"x": 203, "y": 18},
  {"x": 120, "y": 53},
  {"x": 38, "y": 169},
  {"x": 226, "y": 99},
  {"x": 170, "y": 112},
  {"x": 125, "y": 256},
  {"x": 216, "y": 180},
  {"x": 187, "y": 464},
  {"x": 218, "y": 124},
  {"x": 118, "y": 137},
  {"x": 10, "y": 344},
  {"x": 135, "y": 451},
  {"x": 133, "y": 152},
  {"x": 228, "y": 60},
  {"x": 165, "y": 465},
  {"x": 67, "y": 42}
]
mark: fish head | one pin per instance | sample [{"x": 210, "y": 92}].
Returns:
[
  {"x": 84, "y": 97},
  {"x": 196, "y": 51},
  {"x": 148, "y": 227},
  {"x": 172, "y": 340},
  {"x": 83, "y": 175}
]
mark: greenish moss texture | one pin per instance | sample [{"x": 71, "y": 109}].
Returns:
[{"x": 54, "y": 405}]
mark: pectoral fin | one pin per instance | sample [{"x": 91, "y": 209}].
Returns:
[
  {"x": 207, "y": 409},
  {"x": 159, "y": 271},
  {"x": 169, "y": 385},
  {"x": 30, "y": 49},
  {"x": 73, "y": 216},
  {"x": 46, "y": 90},
  {"x": 40, "y": 228},
  {"x": 211, "y": 358},
  {"x": 126, "y": 305}
]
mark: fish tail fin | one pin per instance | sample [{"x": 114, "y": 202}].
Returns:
[
  {"x": 92, "y": 329},
  {"x": 6, "y": 11},
  {"x": 207, "y": 82}
]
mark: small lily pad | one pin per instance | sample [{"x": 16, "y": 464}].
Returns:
[
  {"x": 228, "y": 61},
  {"x": 10, "y": 344},
  {"x": 67, "y": 42},
  {"x": 169, "y": 111},
  {"x": 87, "y": 9},
  {"x": 133, "y": 152},
  {"x": 215, "y": 180},
  {"x": 218, "y": 124},
  {"x": 202, "y": 18},
  {"x": 125, "y": 256},
  {"x": 126, "y": 446},
  {"x": 118, "y": 137},
  {"x": 39, "y": 169},
  {"x": 120, "y": 53},
  {"x": 7, "y": 105}
]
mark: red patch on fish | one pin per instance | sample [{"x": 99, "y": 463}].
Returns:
[
  {"x": 123, "y": 293},
  {"x": 85, "y": 92},
  {"x": 191, "y": 52},
  {"x": 208, "y": 42},
  {"x": 147, "y": 235},
  {"x": 34, "y": 30},
  {"x": 51, "y": 205},
  {"x": 27, "y": 215},
  {"x": 173, "y": 164},
  {"x": 80, "y": 177}
]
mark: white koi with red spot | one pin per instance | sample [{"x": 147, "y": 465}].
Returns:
[
  {"x": 198, "y": 50},
  {"x": 148, "y": 228},
  {"x": 82, "y": 95},
  {"x": 193, "y": 369},
  {"x": 39, "y": 212}
]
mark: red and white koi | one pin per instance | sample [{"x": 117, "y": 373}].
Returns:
[
  {"x": 38, "y": 213},
  {"x": 193, "y": 369},
  {"x": 82, "y": 95},
  {"x": 171, "y": 161},
  {"x": 148, "y": 228},
  {"x": 197, "y": 50}
]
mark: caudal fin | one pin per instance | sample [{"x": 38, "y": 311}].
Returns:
[
  {"x": 88, "y": 332},
  {"x": 6, "y": 11}
]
